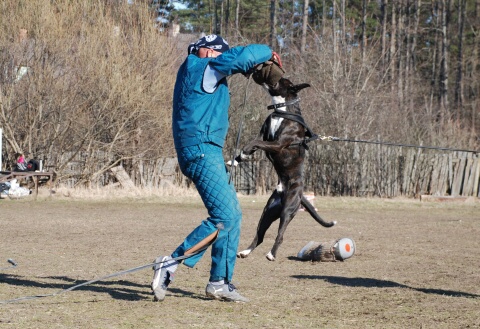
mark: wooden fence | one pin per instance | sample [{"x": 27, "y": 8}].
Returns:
[
  {"x": 339, "y": 170},
  {"x": 389, "y": 173}
]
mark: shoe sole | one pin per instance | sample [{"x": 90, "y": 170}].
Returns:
[
  {"x": 225, "y": 299},
  {"x": 159, "y": 294}
]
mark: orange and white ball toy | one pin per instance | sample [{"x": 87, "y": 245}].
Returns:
[{"x": 344, "y": 248}]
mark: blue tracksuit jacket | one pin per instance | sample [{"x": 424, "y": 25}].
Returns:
[{"x": 199, "y": 116}]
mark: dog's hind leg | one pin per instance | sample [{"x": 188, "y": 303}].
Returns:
[
  {"x": 311, "y": 210},
  {"x": 291, "y": 204},
  {"x": 271, "y": 213}
]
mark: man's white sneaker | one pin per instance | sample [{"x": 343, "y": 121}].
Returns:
[
  {"x": 161, "y": 277},
  {"x": 226, "y": 292}
]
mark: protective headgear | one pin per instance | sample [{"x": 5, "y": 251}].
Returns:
[{"x": 211, "y": 41}]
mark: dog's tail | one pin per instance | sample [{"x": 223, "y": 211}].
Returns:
[{"x": 311, "y": 210}]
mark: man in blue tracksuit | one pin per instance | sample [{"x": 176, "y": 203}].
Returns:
[{"x": 200, "y": 123}]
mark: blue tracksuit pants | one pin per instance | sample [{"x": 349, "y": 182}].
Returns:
[{"x": 205, "y": 166}]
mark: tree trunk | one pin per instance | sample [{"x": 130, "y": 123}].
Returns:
[
  {"x": 383, "y": 10},
  {"x": 408, "y": 51},
  {"x": 324, "y": 18},
  {"x": 227, "y": 18},
  {"x": 393, "y": 42},
  {"x": 415, "y": 34},
  {"x": 413, "y": 62},
  {"x": 304, "y": 27},
  {"x": 222, "y": 15},
  {"x": 364, "y": 28},
  {"x": 434, "y": 59},
  {"x": 343, "y": 22},
  {"x": 459, "y": 79},
  {"x": 212, "y": 17},
  {"x": 476, "y": 73},
  {"x": 215, "y": 23},
  {"x": 334, "y": 28},
  {"x": 445, "y": 11},
  {"x": 400, "y": 55},
  {"x": 273, "y": 23},
  {"x": 237, "y": 13}
]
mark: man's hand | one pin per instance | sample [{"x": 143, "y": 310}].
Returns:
[{"x": 276, "y": 59}]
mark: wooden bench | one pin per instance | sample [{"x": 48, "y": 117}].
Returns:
[{"x": 6, "y": 176}]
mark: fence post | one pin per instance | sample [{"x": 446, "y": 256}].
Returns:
[{"x": 1, "y": 148}]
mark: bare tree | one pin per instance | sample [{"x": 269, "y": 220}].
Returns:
[
  {"x": 334, "y": 28},
  {"x": 459, "y": 79},
  {"x": 413, "y": 54},
  {"x": 227, "y": 17},
  {"x": 434, "y": 59},
  {"x": 407, "y": 39},
  {"x": 304, "y": 27},
  {"x": 343, "y": 17},
  {"x": 474, "y": 63},
  {"x": 217, "y": 18},
  {"x": 324, "y": 17},
  {"x": 400, "y": 54},
  {"x": 94, "y": 94},
  {"x": 237, "y": 13},
  {"x": 418, "y": 4},
  {"x": 273, "y": 24},
  {"x": 393, "y": 42},
  {"x": 383, "y": 10},
  {"x": 444, "y": 67},
  {"x": 364, "y": 28}
]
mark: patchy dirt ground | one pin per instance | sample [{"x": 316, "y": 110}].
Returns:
[{"x": 416, "y": 266}]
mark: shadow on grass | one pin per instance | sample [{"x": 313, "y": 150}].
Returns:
[
  {"x": 370, "y": 283},
  {"x": 117, "y": 289},
  {"x": 120, "y": 289},
  {"x": 180, "y": 293}
]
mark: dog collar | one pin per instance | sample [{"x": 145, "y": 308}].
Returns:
[{"x": 276, "y": 106}]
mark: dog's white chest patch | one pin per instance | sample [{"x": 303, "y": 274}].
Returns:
[
  {"x": 276, "y": 122},
  {"x": 274, "y": 125},
  {"x": 279, "y": 187}
]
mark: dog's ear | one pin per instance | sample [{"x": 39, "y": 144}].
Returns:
[{"x": 296, "y": 88}]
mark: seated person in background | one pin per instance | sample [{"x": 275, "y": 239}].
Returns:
[{"x": 21, "y": 163}]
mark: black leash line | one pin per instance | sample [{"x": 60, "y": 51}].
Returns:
[
  {"x": 311, "y": 136},
  {"x": 337, "y": 139}
]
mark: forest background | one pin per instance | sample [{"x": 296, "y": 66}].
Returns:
[{"x": 88, "y": 84}]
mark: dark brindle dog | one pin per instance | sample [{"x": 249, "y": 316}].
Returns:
[{"x": 283, "y": 137}]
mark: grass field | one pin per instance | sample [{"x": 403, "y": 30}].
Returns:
[{"x": 416, "y": 266}]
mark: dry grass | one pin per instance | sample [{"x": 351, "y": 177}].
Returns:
[
  {"x": 115, "y": 193},
  {"x": 416, "y": 265}
]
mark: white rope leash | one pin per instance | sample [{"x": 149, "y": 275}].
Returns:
[{"x": 131, "y": 270}]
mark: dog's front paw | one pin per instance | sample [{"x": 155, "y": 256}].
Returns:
[
  {"x": 244, "y": 253},
  {"x": 229, "y": 163},
  {"x": 237, "y": 160},
  {"x": 270, "y": 256},
  {"x": 244, "y": 155}
]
